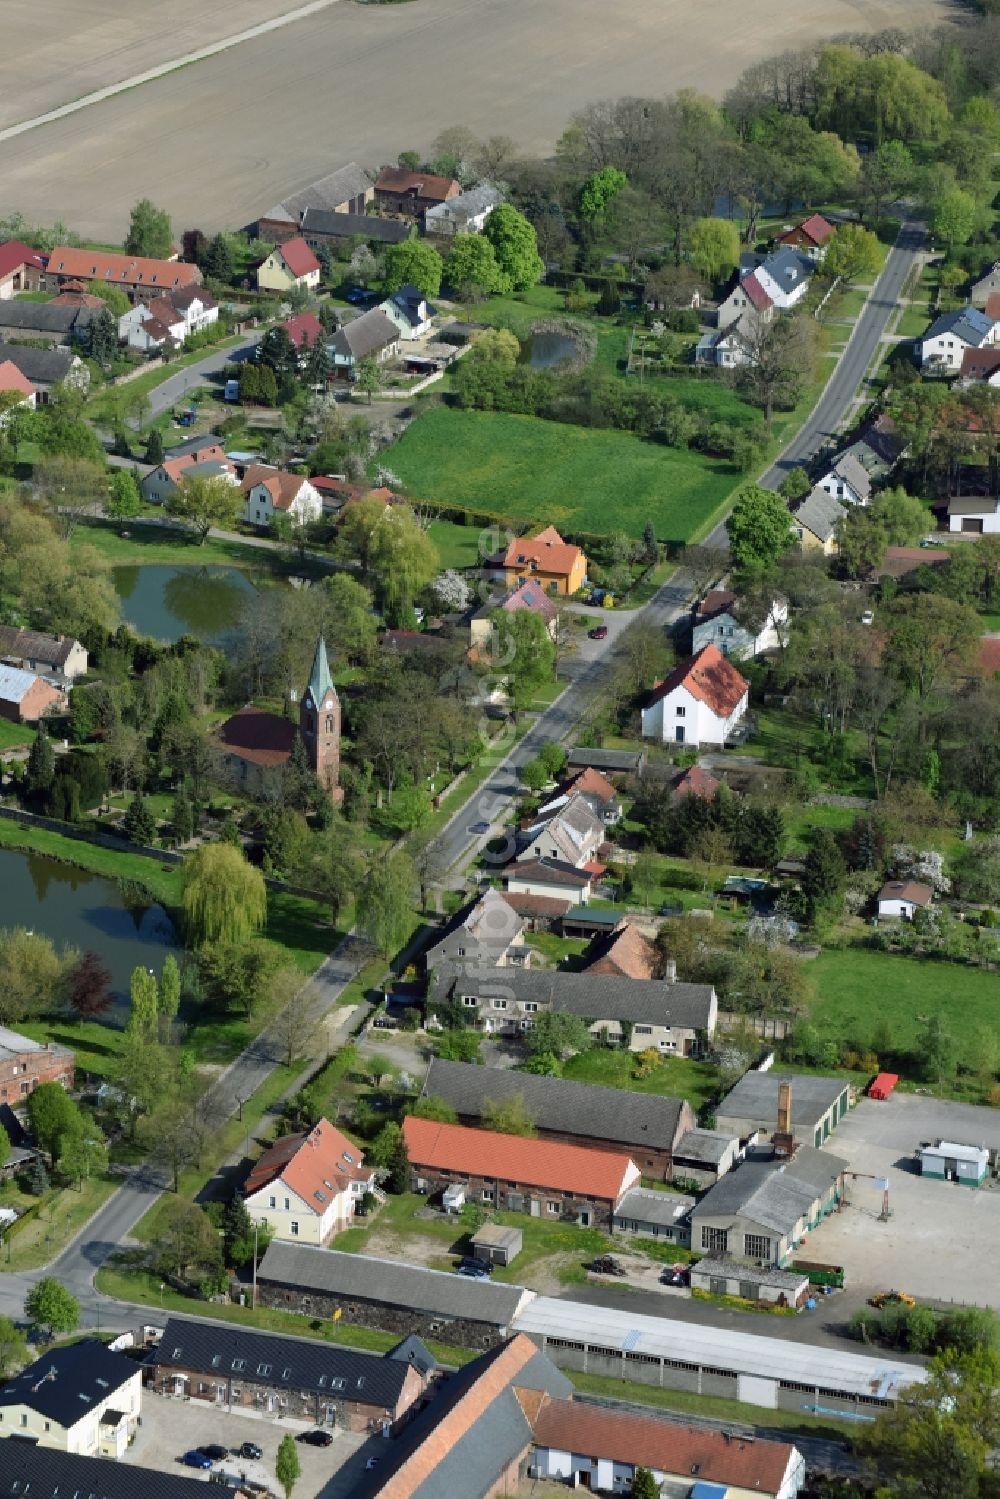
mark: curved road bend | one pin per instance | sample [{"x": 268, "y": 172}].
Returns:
[{"x": 77, "y": 1264}]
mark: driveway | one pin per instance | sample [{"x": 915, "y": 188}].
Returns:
[{"x": 171, "y": 1427}]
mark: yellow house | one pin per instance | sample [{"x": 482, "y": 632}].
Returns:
[
  {"x": 82, "y": 1398},
  {"x": 288, "y": 265},
  {"x": 815, "y": 522},
  {"x": 558, "y": 565}
]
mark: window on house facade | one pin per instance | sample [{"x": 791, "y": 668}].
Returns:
[
  {"x": 487, "y": 1194},
  {"x": 294, "y": 1227},
  {"x": 469, "y": 1001},
  {"x": 680, "y": 712},
  {"x": 642, "y": 1030},
  {"x": 757, "y": 1246},
  {"x": 499, "y": 1004},
  {"x": 530, "y": 1006},
  {"x": 715, "y": 1239},
  {"x": 552, "y": 1207}
]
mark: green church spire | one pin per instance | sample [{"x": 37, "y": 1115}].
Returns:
[{"x": 320, "y": 680}]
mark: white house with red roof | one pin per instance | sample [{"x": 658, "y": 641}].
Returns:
[
  {"x": 21, "y": 269},
  {"x": 700, "y": 702},
  {"x": 272, "y": 491},
  {"x": 288, "y": 265},
  {"x": 155, "y": 322},
  {"x": 306, "y": 1186}
]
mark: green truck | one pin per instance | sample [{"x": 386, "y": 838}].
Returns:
[{"x": 820, "y": 1274}]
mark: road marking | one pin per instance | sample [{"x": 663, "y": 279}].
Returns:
[{"x": 162, "y": 69}]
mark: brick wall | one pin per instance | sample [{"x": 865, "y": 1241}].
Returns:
[
  {"x": 570, "y": 1206},
  {"x": 21, "y": 1074},
  {"x": 399, "y": 1320},
  {"x": 349, "y": 1415}
]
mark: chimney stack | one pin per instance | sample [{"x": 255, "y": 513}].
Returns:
[
  {"x": 783, "y": 1139},
  {"x": 670, "y": 971}
]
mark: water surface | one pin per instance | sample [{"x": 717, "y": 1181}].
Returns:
[{"x": 168, "y": 601}]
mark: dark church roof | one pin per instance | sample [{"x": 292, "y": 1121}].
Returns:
[
  {"x": 256, "y": 735},
  {"x": 320, "y": 680}
]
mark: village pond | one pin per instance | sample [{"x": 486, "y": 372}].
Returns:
[
  {"x": 167, "y": 601},
  {"x": 86, "y": 912}
]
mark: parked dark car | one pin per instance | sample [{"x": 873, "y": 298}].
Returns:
[
  {"x": 195, "y": 1459},
  {"x": 599, "y": 632},
  {"x": 315, "y": 1438},
  {"x": 475, "y": 1269},
  {"x": 606, "y": 1264},
  {"x": 248, "y": 1450},
  {"x": 214, "y": 1452}
]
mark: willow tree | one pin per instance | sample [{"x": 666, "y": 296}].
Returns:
[{"x": 225, "y": 899}]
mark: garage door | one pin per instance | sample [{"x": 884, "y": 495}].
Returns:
[
  {"x": 972, "y": 523},
  {"x": 757, "y": 1391}
]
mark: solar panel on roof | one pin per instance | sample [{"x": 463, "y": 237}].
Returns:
[{"x": 630, "y": 1340}]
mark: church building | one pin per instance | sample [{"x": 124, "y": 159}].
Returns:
[{"x": 255, "y": 745}]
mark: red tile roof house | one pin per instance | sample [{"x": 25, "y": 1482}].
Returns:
[
  {"x": 601, "y": 1449},
  {"x": 541, "y": 1177},
  {"x": 701, "y": 702},
  {"x": 398, "y": 191},
  {"x": 288, "y": 265},
  {"x": 529, "y": 593},
  {"x": 811, "y": 236},
  {"x": 306, "y": 1187},
  {"x": 136, "y": 274},
  {"x": 303, "y": 331},
  {"x": 626, "y": 953},
  {"x": 25, "y": 698},
  {"x": 272, "y": 491},
  {"x": 695, "y": 782},
  {"x": 161, "y": 481},
  {"x": 11, "y": 379},
  {"x": 21, "y": 269}
]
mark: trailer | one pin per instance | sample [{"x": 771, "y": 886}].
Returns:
[
  {"x": 820, "y": 1274},
  {"x": 883, "y": 1086}
]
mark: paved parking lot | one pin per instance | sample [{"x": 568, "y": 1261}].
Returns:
[
  {"x": 940, "y": 1241},
  {"x": 171, "y": 1427}
]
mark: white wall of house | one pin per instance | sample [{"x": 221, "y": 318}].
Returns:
[
  {"x": 839, "y": 488},
  {"x": 579, "y": 895},
  {"x": 613, "y": 1477},
  {"x": 944, "y": 351},
  {"x": 306, "y": 506},
  {"x": 407, "y": 330},
  {"x": 782, "y": 296},
  {"x": 83, "y": 1437},
  {"x": 681, "y": 718},
  {"x": 290, "y": 1218},
  {"x": 735, "y": 640},
  {"x": 897, "y": 907},
  {"x": 990, "y": 520}
]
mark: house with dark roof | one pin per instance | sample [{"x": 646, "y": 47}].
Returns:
[
  {"x": 732, "y": 345},
  {"x": 305, "y": 1187},
  {"x": 409, "y": 194},
  {"x": 620, "y": 762},
  {"x": 554, "y": 879},
  {"x": 975, "y": 515},
  {"x": 46, "y": 322},
  {"x": 817, "y": 1105},
  {"x": 847, "y": 480},
  {"x": 26, "y": 698},
  {"x": 57, "y": 657},
  {"x": 33, "y": 1472},
  {"x": 702, "y": 701},
  {"x": 367, "y": 1291},
  {"x": 46, "y": 368},
  {"x": 981, "y": 366},
  {"x": 466, "y": 214},
  {"x": 703, "y": 1155},
  {"x": 674, "y": 1018},
  {"x": 544, "y": 1178},
  {"x": 79, "y": 1398},
  {"x": 810, "y": 237},
  {"x": 904, "y": 898},
  {"x": 475, "y": 1436},
  {"x": 348, "y": 190},
  {"x": 645, "y": 1126},
  {"x": 219, "y": 1364},
  {"x": 410, "y": 310},
  {"x": 717, "y": 622},
  {"x": 763, "y": 1209},
  {"x": 588, "y": 1446},
  {"x": 370, "y": 336},
  {"x": 487, "y": 932},
  {"x": 321, "y": 227},
  {"x": 815, "y": 522},
  {"x": 784, "y": 274},
  {"x": 944, "y": 345}
]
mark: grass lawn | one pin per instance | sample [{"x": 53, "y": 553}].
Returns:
[
  {"x": 673, "y": 1077},
  {"x": 519, "y": 313},
  {"x": 149, "y": 543},
  {"x": 685, "y": 1402},
  {"x": 458, "y": 546},
  {"x": 855, "y": 988},
  {"x": 100, "y": 407},
  {"x": 97, "y": 1046},
  {"x": 988, "y": 623},
  {"x": 144, "y": 1287},
  {"x": 913, "y": 322},
  {"x": 62, "y": 1216},
  {"x": 587, "y": 480},
  {"x": 13, "y": 735}
]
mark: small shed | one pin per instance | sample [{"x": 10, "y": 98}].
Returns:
[
  {"x": 497, "y": 1245},
  {"x": 453, "y": 1197},
  {"x": 751, "y": 1282},
  {"x": 654, "y": 1215},
  {"x": 948, "y": 1161},
  {"x": 883, "y": 1086},
  {"x": 589, "y": 921}
]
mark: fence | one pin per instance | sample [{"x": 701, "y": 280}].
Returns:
[{"x": 767, "y": 1027}]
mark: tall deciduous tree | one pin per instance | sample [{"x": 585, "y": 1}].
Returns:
[
  {"x": 852, "y": 253},
  {"x": 471, "y": 266},
  {"x": 416, "y": 263},
  {"x": 203, "y": 503},
  {"x": 89, "y": 988},
  {"x": 781, "y": 356},
  {"x": 51, "y": 1309},
  {"x": 599, "y": 191},
  {"x": 149, "y": 231},
  {"x": 515, "y": 246},
  {"x": 144, "y": 995},
  {"x": 385, "y": 901},
  {"x": 759, "y": 527},
  {"x": 54, "y": 1117},
  {"x": 225, "y": 899},
  {"x": 714, "y": 247},
  {"x": 124, "y": 502}
]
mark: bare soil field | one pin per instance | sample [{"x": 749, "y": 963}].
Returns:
[
  {"x": 87, "y": 44},
  {"x": 219, "y": 141}
]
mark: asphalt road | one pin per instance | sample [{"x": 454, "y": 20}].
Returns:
[{"x": 174, "y": 390}]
